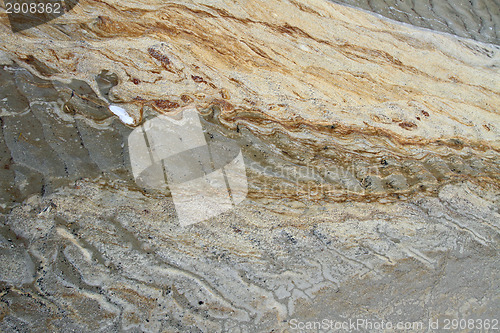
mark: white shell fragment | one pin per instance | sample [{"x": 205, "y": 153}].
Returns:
[{"x": 122, "y": 114}]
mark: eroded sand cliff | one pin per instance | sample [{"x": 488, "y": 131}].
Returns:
[{"x": 371, "y": 151}]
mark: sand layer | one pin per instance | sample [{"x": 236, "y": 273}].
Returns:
[{"x": 371, "y": 151}]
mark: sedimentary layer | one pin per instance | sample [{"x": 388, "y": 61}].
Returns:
[
  {"x": 340, "y": 87},
  {"x": 371, "y": 151}
]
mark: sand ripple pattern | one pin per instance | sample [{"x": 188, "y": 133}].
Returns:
[{"x": 476, "y": 19}]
